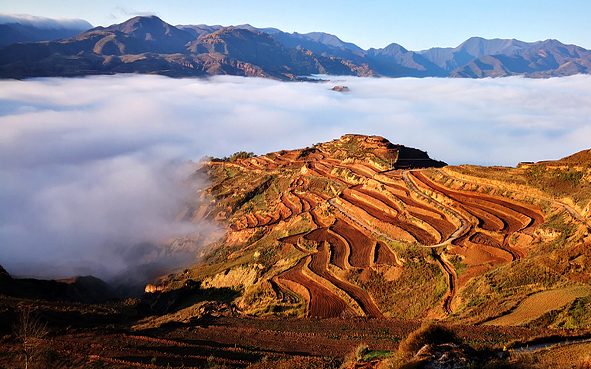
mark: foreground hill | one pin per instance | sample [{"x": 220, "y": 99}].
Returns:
[
  {"x": 352, "y": 228},
  {"x": 371, "y": 236},
  {"x": 150, "y": 45}
]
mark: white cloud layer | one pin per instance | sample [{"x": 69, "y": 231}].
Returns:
[
  {"x": 85, "y": 163},
  {"x": 45, "y": 23}
]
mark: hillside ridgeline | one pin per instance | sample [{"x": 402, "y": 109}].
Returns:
[{"x": 361, "y": 227}]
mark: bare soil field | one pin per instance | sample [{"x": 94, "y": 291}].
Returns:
[
  {"x": 370, "y": 226},
  {"x": 236, "y": 342},
  {"x": 496, "y": 220},
  {"x": 348, "y": 241},
  {"x": 538, "y": 304},
  {"x": 323, "y": 303}
]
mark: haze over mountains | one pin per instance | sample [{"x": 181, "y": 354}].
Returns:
[
  {"x": 152, "y": 46},
  {"x": 28, "y": 28}
]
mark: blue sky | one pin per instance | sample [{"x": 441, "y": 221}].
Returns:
[{"x": 415, "y": 25}]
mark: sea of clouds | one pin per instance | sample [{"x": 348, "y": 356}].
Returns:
[{"x": 90, "y": 167}]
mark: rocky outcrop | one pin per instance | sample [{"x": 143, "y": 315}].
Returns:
[{"x": 444, "y": 356}]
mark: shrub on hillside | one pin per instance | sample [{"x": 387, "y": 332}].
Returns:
[
  {"x": 428, "y": 333},
  {"x": 235, "y": 156}
]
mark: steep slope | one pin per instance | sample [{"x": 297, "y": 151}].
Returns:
[
  {"x": 124, "y": 48},
  {"x": 582, "y": 158},
  {"x": 154, "y": 35},
  {"x": 259, "y": 48},
  {"x": 150, "y": 45},
  {"x": 323, "y": 44},
  {"x": 318, "y": 42},
  {"x": 328, "y": 40},
  {"x": 307, "y": 220},
  {"x": 199, "y": 30}
]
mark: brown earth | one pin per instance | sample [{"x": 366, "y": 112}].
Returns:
[
  {"x": 363, "y": 213},
  {"x": 350, "y": 232},
  {"x": 205, "y": 341}
]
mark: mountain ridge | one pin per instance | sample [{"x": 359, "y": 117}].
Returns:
[{"x": 147, "y": 44}]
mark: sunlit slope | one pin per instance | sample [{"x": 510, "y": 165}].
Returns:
[
  {"x": 358, "y": 227},
  {"x": 557, "y": 255}
]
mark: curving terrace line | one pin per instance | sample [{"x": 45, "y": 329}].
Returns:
[
  {"x": 464, "y": 224},
  {"x": 445, "y": 265},
  {"x": 572, "y": 211}
]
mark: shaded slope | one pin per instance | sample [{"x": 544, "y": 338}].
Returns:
[
  {"x": 394, "y": 60},
  {"x": 16, "y": 32},
  {"x": 263, "y": 50},
  {"x": 471, "y": 49},
  {"x": 150, "y": 45},
  {"x": 85, "y": 289},
  {"x": 18, "y": 28}
]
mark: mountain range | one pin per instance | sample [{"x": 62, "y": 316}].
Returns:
[{"x": 147, "y": 44}]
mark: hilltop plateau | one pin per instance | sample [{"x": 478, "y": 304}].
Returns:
[
  {"x": 149, "y": 45},
  {"x": 349, "y": 242}
]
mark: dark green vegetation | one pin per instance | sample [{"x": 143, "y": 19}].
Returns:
[
  {"x": 235, "y": 156},
  {"x": 148, "y": 45}
]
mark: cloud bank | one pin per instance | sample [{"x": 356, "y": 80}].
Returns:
[
  {"x": 90, "y": 167},
  {"x": 45, "y": 23}
]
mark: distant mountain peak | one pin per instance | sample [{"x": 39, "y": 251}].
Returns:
[
  {"x": 142, "y": 24},
  {"x": 155, "y": 34}
]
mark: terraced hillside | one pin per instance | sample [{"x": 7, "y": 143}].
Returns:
[{"x": 361, "y": 227}]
